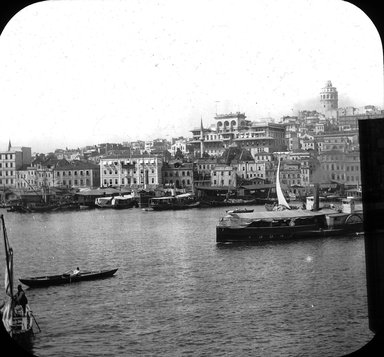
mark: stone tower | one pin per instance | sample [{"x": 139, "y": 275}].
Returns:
[{"x": 328, "y": 98}]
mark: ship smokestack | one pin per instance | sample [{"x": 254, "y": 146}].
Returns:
[{"x": 316, "y": 197}]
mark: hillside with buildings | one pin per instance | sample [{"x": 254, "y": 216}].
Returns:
[{"x": 227, "y": 154}]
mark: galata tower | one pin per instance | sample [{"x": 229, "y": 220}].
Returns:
[{"x": 328, "y": 98}]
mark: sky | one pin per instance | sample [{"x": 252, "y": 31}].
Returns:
[{"x": 84, "y": 72}]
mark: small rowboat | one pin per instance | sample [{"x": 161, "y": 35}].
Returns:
[{"x": 66, "y": 278}]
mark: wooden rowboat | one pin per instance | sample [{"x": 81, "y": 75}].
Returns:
[{"x": 66, "y": 278}]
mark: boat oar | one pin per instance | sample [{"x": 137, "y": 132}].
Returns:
[{"x": 34, "y": 318}]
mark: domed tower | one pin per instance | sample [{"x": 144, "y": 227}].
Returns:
[{"x": 328, "y": 98}]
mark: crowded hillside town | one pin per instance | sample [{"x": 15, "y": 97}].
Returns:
[{"x": 227, "y": 154}]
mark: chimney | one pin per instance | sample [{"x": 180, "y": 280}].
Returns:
[{"x": 316, "y": 197}]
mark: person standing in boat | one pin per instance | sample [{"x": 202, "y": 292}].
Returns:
[{"x": 20, "y": 298}]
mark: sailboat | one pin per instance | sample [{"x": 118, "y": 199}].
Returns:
[
  {"x": 18, "y": 324},
  {"x": 282, "y": 203}
]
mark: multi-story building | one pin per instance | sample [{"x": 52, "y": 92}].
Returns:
[
  {"x": 178, "y": 175},
  {"x": 139, "y": 171},
  {"x": 179, "y": 144},
  {"x": 12, "y": 160},
  {"x": 262, "y": 137},
  {"x": 341, "y": 167},
  {"x": 290, "y": 173},
  {"x": 250, "y": 169},
  {"x": 339, "y": 140},
  {"x": 307, "y": 142},
  {"x": 76, "y": 174},
  {"x": 319, "y": 128},
  {"x": 213, "y": 143},
  {"x": 202, "y": 171},
  {"x": 234, "y": 128},
  {"x": 263, "y": 156},
  {"x": 348, "y": 118},
  {"x": 48, "y": 173},
  {"x": 223, "y": 176}
]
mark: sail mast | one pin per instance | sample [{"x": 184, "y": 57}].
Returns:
[{"x": 9, "y": 260}]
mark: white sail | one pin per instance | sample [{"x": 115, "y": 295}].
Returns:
[{"x": 280, "y": 196}]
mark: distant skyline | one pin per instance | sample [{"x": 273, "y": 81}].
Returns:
[{"x": 77, "y": 73}]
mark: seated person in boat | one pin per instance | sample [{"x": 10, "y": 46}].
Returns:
[
  {"x": 75, "y": 272},
  {"x": 20, "y": 298}
]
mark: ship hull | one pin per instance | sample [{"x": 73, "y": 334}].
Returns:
[{"x": 251, "y": 234}]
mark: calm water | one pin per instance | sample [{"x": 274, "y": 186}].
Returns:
[{"x": 177, "y": 293}]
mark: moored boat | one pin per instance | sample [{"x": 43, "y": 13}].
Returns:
[
  {"x": 241, "y": 210},
  {"x": 179, "y": 202},
  {"x": 117, "y": 202},
  {"x": 67, "y": 278},
  {"x": 17, "y": 316},
  {"x": 121, "y": 202},
  {"x": 104, "y": 202},
  {"x": 287, "y": 224}
]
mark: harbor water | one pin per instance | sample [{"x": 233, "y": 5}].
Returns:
[{"x": 177, "y": 293}]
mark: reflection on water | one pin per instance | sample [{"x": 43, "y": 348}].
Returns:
[{"x": 177, "y": 292}]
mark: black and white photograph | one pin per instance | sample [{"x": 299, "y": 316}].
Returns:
[{"x": 191, "y": 178}]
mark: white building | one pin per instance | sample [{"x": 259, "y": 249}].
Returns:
[
  {"x": 141, "y": 171},
  {"x": 179, "y": 144}
]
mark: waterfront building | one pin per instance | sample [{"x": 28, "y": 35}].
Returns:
[
  {"x": 12, "y": 160},
  {"x": 51, "y": 172},
  {"x": 25, "y": 178},
  {"x": 76, "y": 174},
  {"x": 224, "y": 176},
  {"x": 202, "y": 171},
  {"x": 41, "y": 172},
  {"x": 178, "y": 175},
  {"x": 250, "y": 169},
  {"x": 139, "y": 171}
]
